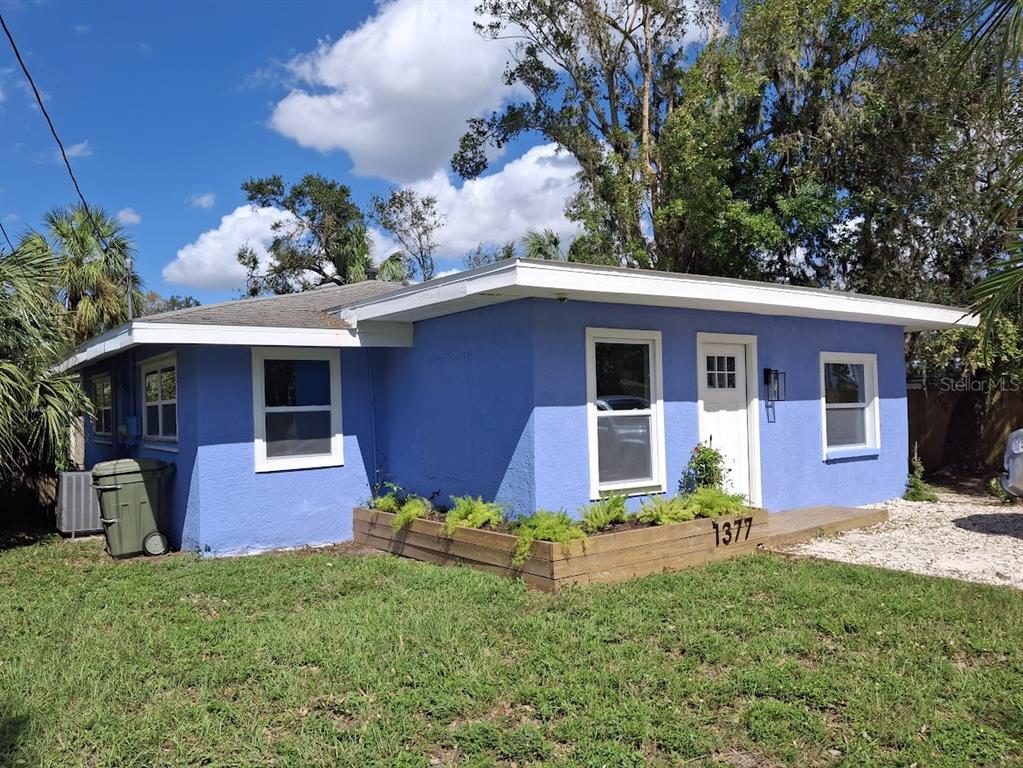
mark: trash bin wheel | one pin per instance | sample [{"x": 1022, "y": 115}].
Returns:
[{"x": 155, "y": 543}]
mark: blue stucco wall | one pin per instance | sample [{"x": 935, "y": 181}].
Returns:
[
  {"x": 491, "y": 402},
  {"x": 454, "y": 411},
  {"x": 793, "y": 471},
  {"x": 218, "y": 503}
]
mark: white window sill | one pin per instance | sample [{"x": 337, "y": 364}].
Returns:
[
  {"x": 165, "y": 447},
  {"x": 288, "y": 463},
  {"x": 628, "y": 490},
  {"x": 851, "y": 452}
]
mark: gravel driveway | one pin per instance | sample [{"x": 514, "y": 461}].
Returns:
[{"x": 968, "y": 534}]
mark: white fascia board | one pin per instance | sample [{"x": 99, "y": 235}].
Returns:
[
  {"x": 141, "y": 332},
  {"x": 522, "y": 279}
]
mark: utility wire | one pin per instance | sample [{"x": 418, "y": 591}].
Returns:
[
  {"x": 9, "y": 243},
  {"x": 67, "y": 163}
]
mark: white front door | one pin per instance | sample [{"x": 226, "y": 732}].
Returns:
[{"x": 723, "y": 409}]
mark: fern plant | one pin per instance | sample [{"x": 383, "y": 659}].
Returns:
[
  {"x": 544, "y": 525},
  {"x": 469, "y": 512},
  {"x": 603, "y": 513},
  {"x": 390, "y": 501},
  {"x": 708, "y": 501},
  {"x": 660, "y": 510},
  {"x": 413, "y": 508}
]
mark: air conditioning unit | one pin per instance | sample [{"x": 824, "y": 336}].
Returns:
[{"x": 77, "y": 504}]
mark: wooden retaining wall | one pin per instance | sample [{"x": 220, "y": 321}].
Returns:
[{"x": 597, "y": 559}]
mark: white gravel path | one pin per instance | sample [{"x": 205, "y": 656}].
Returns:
[{"x": 966, "y": 535}]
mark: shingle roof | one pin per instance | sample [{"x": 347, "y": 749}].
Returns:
[{"x": 307, "y": 309}]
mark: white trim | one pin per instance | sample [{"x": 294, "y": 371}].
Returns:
[
  {"x": 752, "y": 403},
  {"x": 262, "y": 462},
  {"x": 522, "y": 278},
  {"x": 658, "y": 461},
  {"x": 92, "y": 387},
  {"x": 147, "y": 366},
  {"x": 872, "y": 402},
  {"x": 165, "y": 447},
  {"x": 140, "y": 332}
]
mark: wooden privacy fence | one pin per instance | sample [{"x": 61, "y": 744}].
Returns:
[{"x": 950, "y": 428}]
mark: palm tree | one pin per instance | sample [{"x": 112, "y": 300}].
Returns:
[
  {"x": 93, "y": 281},
  {"x": 37, "y": 406},
  {"x": 543, "y": 245}
]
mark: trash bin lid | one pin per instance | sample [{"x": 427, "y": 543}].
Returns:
[{"x": 126, "y": 467}]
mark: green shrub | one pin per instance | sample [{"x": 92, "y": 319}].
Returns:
[
  {"x": 707, "y": 501},
  {"x": 469, "y": 512},
  {"x": 543, "y": 525},
  {"x": 916, "y": 488},
  {"x": 413, "y": 508},
  {"x": 660, "y": 510},
  {"x": 705, "y": 469},
  {"x": 603, "y": 513}
]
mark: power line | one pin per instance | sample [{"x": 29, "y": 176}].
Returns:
[
  {"x": 9, "y": 243},
  {"x": 63, "y": 154}
]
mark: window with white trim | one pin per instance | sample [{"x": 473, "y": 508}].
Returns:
[
  {"x": 849, "y": 401},
  {"x": 160, "y": 398},
  {"x": 626, "y": 421},
  {"x": 296, "y": 408},
  {"x": 102, "y": 394}
]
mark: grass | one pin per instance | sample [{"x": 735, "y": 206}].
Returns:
[{"x": 317, "y": 659}]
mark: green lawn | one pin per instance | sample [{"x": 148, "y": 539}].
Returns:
[{"x": 320, "y": 659}]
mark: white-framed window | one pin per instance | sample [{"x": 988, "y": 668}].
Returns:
[
  {"x": 160, "y": 398},
  {"x": 102, "y": 393},
  {"x": 625, "y": 411},
  {"x": 849, "y": 402},
  {"x": 296, "y": 399}
]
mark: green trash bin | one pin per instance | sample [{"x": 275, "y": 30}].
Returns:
[{"x": 130, "y": 493}]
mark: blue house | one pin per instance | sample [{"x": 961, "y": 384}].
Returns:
[{"x": 537, "y": 384}]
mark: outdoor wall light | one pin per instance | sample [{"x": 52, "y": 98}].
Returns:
[{"x": 774, "y": 380}]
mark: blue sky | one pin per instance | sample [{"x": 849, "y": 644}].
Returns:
[{"x": 169, "y": 107}]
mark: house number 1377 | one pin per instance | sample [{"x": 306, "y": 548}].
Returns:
[{"x": 730, "y": 531}]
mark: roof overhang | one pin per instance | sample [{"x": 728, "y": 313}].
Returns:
[
  {"x": 139, "y": 332},
  {"x": 523, "y": 278}
]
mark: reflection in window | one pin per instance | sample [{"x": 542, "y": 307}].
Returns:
[
  {"x": 625, "y": 417},
  {"x": 160, "y": 410},
  {"x": 846, "y": 405}
]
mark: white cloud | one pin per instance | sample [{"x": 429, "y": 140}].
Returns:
[
  {"x": 382, "y": 244},
  {"x": 82, "y": 29},
  {"x": 211, "y": 260},
  {"x": 395, "y": 92},
  {"x": 530, "y": 192},
  {"x": 81, "y": 149},
  {"x": 203, "y": 200},
  {"x": 129, "y": 216}
]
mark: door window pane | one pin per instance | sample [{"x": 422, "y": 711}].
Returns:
[
  {"x": 624, "y": 448},
  {"x": 298, "y": 433},
  {"x": 623, "y": 372},
  {"x": 843, "y": 383},
  {"x": 847, "y": 426}
]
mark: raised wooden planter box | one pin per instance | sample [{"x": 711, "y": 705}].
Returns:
[{"x": 597, "y": 559}]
